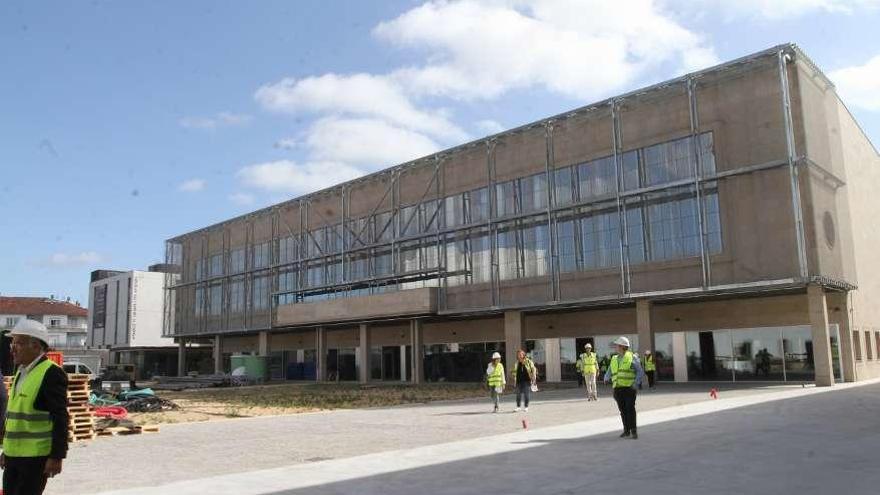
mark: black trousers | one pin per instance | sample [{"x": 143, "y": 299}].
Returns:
[
  {"x": 522, "y": 392},
  {"x": 24, "y": 476},
  {"x": 650, "y": 375},
  {"x": 626, "y": 403}
]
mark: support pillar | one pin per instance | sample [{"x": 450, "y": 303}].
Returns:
[
  {"x": 320, "y": 354},
  {"x": 416, "y": 336},
  {"x": 552, "y": 360},
  {"x": 838, "y": 313},
  {"x": 513, "y": 336},
  {"x": 821, "y": 339},
  {"x": 263, "y": 343},
  {"x": 643, "y": 325},
  {"x": 218, "y": 355},
  {"x": 364, "y": 354},
  {"x": 181, "y": 357},
  {"x": 679, "y": 357},
  {"x": 404, "y": 372}
]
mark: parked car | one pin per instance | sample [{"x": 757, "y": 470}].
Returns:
[{"x": 76, "y": 367}]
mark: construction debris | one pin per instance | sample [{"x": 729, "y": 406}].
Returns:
[
  {"x": 149, "y": 404},
  {"x": 189, "y": 382}
]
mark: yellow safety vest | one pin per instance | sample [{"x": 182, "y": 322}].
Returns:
[
  {"x": 589, "y": 364},
  {"x": 28, "y": 430},
  {"x": 649, "y": 363},
  {"x": 496, "y": 378},
  {"x": 623, "y": 375}
]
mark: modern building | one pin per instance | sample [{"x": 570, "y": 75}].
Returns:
[
  {"x": 126, "y": 316},
  {"x": 725, "y": 219}
]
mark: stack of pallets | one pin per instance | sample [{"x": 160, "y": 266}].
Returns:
[{"x": 82, "y": 425}]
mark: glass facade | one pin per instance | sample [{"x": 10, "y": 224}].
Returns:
[
  {"x": 459, "y": 362},
  {"x": 766, "y": 354},
  {"x": 396, "y": 249}
]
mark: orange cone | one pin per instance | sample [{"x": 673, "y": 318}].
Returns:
[{"x": 713, "y": 393}]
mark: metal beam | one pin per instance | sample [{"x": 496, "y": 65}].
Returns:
[
  {"x": 619, "y": 186},
  {"x": 698, "y": 172},
  {"x": 794, "y": 173}
]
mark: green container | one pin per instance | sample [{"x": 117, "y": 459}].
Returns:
[{"x": 254, "y": 366}]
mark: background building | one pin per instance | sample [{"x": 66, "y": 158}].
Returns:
[
  {"x": 126, "y": 313},
  {"x": 725, "y": 219},
  {"x": 65, "y": 321}
]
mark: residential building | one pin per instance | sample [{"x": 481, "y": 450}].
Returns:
[
  {"x": 65, "y": 320},
  {"x": 725, "y": 219}
]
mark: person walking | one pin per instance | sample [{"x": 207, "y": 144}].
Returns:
[
  {"x": 525, "y": 375},
  {"x": 35, "y": 441},
  {"x": 624, "y": 373},
  {"x": 650, "y": 369},
  {"x": 495, "y": 379},
  {"x": 589, "y": 368}
]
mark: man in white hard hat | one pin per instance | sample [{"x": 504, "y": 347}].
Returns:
[
  {"x": 589, "y": 368},
  {"x": 625, "y": 373},
  {"x": 35, "y": 441},
  {"x": 495, "y": 379}
]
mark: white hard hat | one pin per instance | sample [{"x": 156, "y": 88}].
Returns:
[
  {"x": 31, "y": 328},
  {"x": 647, "y": 352},
  {"x": 496, "y": 355},
  {"x": 621, "y": 341},
  {"x": 588, "y": 345}
]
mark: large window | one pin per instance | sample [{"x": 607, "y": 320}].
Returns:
[
  {"x": 534, "y": 192},
  {"x": 236, "y": 296},
  {"x": 237, "y": 260},
  {"x": 215, "y": 300},
  {"x": 673, "y": 229},
  {"x": 536, "y": 250},
  {"x": 507, "y": 253},
  {"x": 216, "y": 265},
  {"x": 563, "y": 190},
  {"x": 600, "y": 240},
  {"x": 596, "y": 178},
  {"x": 505, "y": 198},
  {"x": 287, "y": 249},
  {"x": 261, "y": 255},
  {"x": 565, "y": 233},
  {"x": 260, "y": 293}
]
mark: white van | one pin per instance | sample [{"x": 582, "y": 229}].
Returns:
[{"x": 76, "y": 367}]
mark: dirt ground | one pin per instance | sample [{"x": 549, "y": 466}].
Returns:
[{"x": 242, "y": 402}]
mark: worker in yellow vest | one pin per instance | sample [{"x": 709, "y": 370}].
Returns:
[
  {"x": 495, "y": 379},
  {"x": 589, "y": 368},
  {"x": 35, "y": 439},
  {"x": 650, "y": 369},
  {"x": 625, "y": 373}
]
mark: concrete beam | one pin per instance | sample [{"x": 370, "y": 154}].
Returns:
[
  {"x": 644, "y": 327},
  {"x": 821, "y": 338},
  {"x": 364, "y": 354},
  {"x": 513, "y": 336},
  {"x": 416, "y": 336},
  {"x": 218, "y": 355},
  {"x": 839, "y": 313},
  {"x": 181, "y": 357},
  {"x": 320, "y": 354}
]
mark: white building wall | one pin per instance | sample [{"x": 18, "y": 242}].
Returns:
[{"x": 142, "y": 325}]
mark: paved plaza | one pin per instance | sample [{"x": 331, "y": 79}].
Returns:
[{"x": 569, "y": 442}]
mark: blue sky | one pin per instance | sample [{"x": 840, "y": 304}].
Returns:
[{"x": 124, "y": 124}]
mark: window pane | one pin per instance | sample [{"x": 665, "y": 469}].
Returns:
[
  {"x": 600, "y": 240},
  {"x": 596, "y": 178},
  {"x": 536, "y": 246},
  {"x": 534, "y": 193},
  {"x": 562, "y": 190},
  {"x": 479, "y": 204},
  {"x": 667, "y": 162},
  {"x": 505, "y": 198},
  {"x": 507, "y": 265},
  {"x": 565, "y": 232}
]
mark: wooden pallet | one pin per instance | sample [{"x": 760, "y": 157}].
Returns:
[{"x": 122, "y": 430}]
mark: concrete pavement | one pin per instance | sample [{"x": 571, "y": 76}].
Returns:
[{"x": 366, "y": 451}]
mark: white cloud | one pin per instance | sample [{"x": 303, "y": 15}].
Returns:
[
  {"x": 366, "y": 141},
  {"x": 66, "y": 260},
  {"x": 241, "y": 198},
  {"x": 222, "y": 119},
  {"x": 584, "y": 49},
  {"x": 298, "y": 178},
  {"x": 860, "y": 85},
  {"x": 192, "y": 185},
  {"x": 364, "y": 95},
  {"x": 489, "y": 126},
  {"x": 773, "y": 10}
]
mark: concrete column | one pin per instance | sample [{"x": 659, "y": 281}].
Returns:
[
  {"x": 364, "y": 354},
  {"x": 513, "y": 336},
  {"x": 552, "y": 360},
  {"x": 416, "y": 335},
  {"x": 320, "y": 354},
  {"x": 218, "y": 355},
  {"x": 181, "y": 357},
  {"x": 679, "y": 357},
  {"x": 821, "y": 341},
  {"x": 404, "y": 373},
  {"x": 264, "y": 343},
  {"x": 838, "y": 304},
  {"x": 643, "y": 325}
]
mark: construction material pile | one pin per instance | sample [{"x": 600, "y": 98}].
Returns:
[
  {"x": 81, "y": 425},
  {"x": 190, "y": 382}
]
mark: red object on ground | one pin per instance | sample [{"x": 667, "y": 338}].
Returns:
[
  {"x": 112, "y": 412},
  {"x": 713, "y": 393},
  {"x": 525, "y": 423},
  {"x": 58, "y": 358}
]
